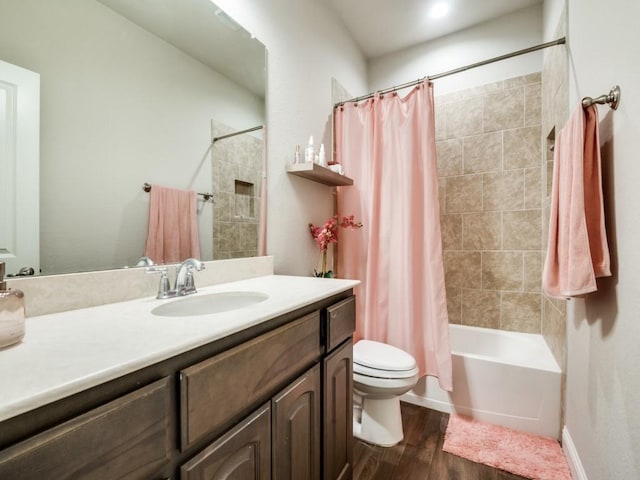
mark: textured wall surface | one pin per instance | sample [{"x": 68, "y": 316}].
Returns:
[
  {"x": 555, "y": 101},
  {"x": 490, "y": 175},
  {"x": 237, "y": 177},
  {"x": 603, "y": 384}
]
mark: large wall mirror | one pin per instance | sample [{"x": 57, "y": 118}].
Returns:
[{"x": 134, "y": 92}]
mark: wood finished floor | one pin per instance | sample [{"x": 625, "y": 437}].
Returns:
[{"x": 419, "y": 456}]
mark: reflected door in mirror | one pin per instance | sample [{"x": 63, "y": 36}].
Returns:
[{"x": 19, "y": 167}]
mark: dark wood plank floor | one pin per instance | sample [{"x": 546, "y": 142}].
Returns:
[{"x": 419, "y": 456}]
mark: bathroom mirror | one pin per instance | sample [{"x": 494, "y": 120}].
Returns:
[{"x": 133, "y": 92}]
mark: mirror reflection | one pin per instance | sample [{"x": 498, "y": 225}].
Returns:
[{"x": 134, "y": 92}]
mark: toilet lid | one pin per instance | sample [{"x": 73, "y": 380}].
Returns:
[{"x": 380, "y": 356}]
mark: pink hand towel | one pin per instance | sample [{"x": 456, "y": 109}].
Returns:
[
  {"x": 173, "y": 225},
  {"x": 577, "y": 250}
]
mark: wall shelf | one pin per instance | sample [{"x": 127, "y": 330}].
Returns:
[{"x": 318, "y": 173}]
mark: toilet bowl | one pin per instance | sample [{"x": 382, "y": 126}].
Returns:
[{"x": 381, "y": 373}]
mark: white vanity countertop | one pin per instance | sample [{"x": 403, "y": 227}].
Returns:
[{"x": 66, "y": 353}]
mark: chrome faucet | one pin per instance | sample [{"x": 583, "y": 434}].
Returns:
[
  {"x": 184, "y": 279},
  {"x": 144, "y": 262},
  {"x": 184, "y": 276}
]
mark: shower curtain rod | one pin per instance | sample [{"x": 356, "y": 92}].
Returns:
[
  {"x": 559, "y": 41},
  {"x": 252, "y": 129}
]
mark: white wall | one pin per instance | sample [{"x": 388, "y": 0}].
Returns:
[
  {"x": 119, "y": 107},
  {"x": 503, "y": 35},
  {"x": 551, "y": 13},
  {"x": 307, "y": 46},
  {"x": 603, "y": 377}
]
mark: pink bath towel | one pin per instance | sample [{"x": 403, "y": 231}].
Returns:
[
  {"x": 173, "y": 225},
  {"x": 577, "y": 251}
]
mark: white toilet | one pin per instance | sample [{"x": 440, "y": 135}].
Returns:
[{"x": 381, "y": 373}]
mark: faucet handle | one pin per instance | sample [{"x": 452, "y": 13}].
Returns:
[{"x": 164, "y": 287}]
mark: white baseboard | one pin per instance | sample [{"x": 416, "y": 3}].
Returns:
[
  {"x": 421, "y": 401},
  {"x": 573, "y": 459}
]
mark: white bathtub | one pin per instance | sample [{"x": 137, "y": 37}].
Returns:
[{"x": 506, "y": 378}]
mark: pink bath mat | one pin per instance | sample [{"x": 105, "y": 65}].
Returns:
[{"x": 525, "y": 454}]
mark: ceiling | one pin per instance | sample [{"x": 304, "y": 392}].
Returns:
[
  {"x": 194, "y": 26},
  {"x": 378, "y": 27},
  {"x": 383, "y": 26}
]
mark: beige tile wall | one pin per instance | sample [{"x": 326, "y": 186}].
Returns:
[
  {"x": 489, "y": 143},
  {"x": 237, "y": 173},
  {"x": 555, "y": 104}
]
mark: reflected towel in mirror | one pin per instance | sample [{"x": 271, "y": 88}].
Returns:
[{"x": 172, "y": 234}]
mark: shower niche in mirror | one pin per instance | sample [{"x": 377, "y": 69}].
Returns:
[
  {"x": 129, "y": 92},
  {"x": 238, "y": 175}
]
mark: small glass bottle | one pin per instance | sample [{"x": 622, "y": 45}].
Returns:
[
  {"x": 297, "y": 156},
  {"x": 322, "y": 156},
  {"x": 12, "y": 313},
  {"x": 309, "y": 151}
]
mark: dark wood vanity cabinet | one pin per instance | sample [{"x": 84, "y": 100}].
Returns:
[
  {"x": 337, "y": 377},
  {"x": 219, "y": 389},
  {"x": 273, "y": 405},
  {"x": 280, "y": 440},
  {"x": 128, "y": 438},
  {"x": 296, "y": 434},
  {"x": 338, "y": 413},
  {"x": 243, "y": 452}
]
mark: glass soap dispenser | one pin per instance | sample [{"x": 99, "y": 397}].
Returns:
[{"x": 12, "y": 313}]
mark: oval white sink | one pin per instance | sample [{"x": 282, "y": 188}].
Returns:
[{"x": 208, "y": 304}]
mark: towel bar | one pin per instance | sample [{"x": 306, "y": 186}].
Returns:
[
  {"x": 206, "y": 196},
  {"x": 612, "y": 98}
]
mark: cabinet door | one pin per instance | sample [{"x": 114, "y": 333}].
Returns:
[
  {"x": 242, "y": 453},
  {"x": 126, "y": 438},
  {"x": 338, "y": 413},
  {"x": 296, "y": 429}
]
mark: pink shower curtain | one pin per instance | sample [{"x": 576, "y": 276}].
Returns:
[{"x": 387, "y": 145}]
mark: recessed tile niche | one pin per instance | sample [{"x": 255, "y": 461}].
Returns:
[
  {"x": 245, "y": 200},
  {"x": 237, "y": 177}
]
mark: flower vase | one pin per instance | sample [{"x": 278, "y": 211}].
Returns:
[{"x": 322, "y": 270}]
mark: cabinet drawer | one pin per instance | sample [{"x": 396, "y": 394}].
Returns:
[
  {"x": 126, "y": 438},
  {"x": 217, "y": 390},
  {"x": 341, "y": 322}
]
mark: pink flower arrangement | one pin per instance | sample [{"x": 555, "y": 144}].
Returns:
[{"x": 328, "y": 234}]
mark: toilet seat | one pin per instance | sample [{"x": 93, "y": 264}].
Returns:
[
  {"x": 379, "y": 373},
  {"x": 379, "y": 360}
]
